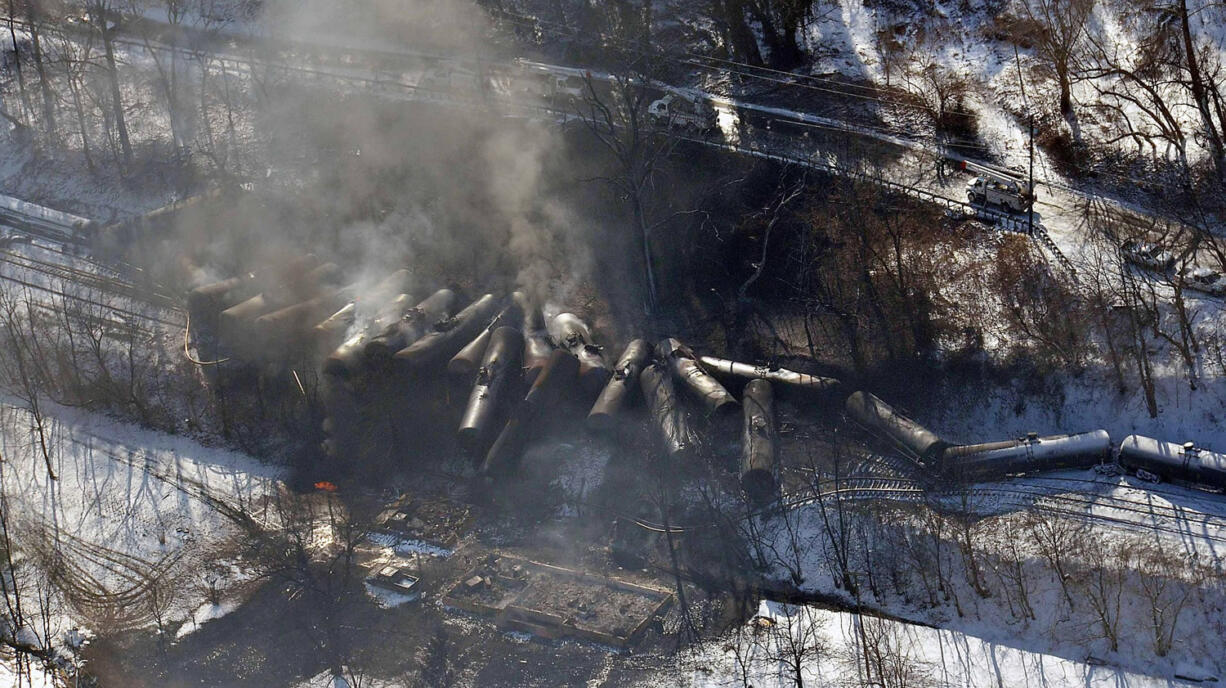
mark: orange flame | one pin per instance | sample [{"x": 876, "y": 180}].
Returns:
[{"x": 325, "y": 486}]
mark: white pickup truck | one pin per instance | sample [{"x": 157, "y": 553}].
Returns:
[
  {"x": 1013, "y": 194},
  {"x": 682, "y": 112}
]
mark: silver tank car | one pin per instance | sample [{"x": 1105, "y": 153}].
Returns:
[
  {"x": 500, "y": 370},
  {"x": 559, "y": 373},
  {"x": 282, "y": 325},
  {"x": 435, "y": 348},
  {"x": 334, "y": 326},
  {"x": 676, "y": 434},
  {"x": 1029, "y": 454},
  {"x": 717, "y": 401},
  {"x": 210, "y": 299},
  {"x": 618, "y": 391},
  {"x": 881, "y": 418},
  {"x": 389, "y": 296},
  {"x": 538, "y": 347},
  {"x": 403, "y": 326},
  {"x": 1155, "y": 459},
  {"x": 467, "y": 360},
  {"x": 758, "y": 442},
  {"x": 570, "y": 332},
  {"x": 778, "y": 376}
]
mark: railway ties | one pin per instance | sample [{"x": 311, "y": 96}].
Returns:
[{"x": 112, "y": 283}]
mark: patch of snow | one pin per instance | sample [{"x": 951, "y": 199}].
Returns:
[
  {"x": 387, "y": 599},
  {"x": 204, "y": 613},
  {"x": 930, "y": 656},
  {"x": 128, "y": 505}
]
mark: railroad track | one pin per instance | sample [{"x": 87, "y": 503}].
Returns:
[
  {"x": 1044, "y": 498},
  {"x": 127, "y": 316},
  {"x": 1161, "y": 518},
  {"x": 371, "y": 78},
  {"x": 113, "y": 284}
]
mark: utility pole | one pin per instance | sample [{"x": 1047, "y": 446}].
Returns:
[{"x": 1030, "y": 201}]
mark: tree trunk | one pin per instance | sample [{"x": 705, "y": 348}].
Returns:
[
  {"x": 1066, "y": 94},
  {"x": 1199, "y": 92},
  {"x": 82, "y": 125},
  {"x": 121, "y": 126},
  {"x": 739, "y": 36},
  {"x": 44, "y": 84},
  {"x": 21, "y": 79}
]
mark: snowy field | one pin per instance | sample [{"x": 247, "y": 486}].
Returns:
[
  {"x": 137, "y": 528},
  {"x": 763, "y": 654}
]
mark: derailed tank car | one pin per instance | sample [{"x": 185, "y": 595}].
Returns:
[
  {"x": 879, "y": 417},
  {"x": 758, "y": 452},
  {"x": 616, "y": 394},
  {"x": 1153, "y": 459},
  {"x": 1029, "y": 454}
]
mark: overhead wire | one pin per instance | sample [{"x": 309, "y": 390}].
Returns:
[{"x": 784, "y": 77}]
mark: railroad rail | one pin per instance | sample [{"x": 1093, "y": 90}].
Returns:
[
  {"x": 371, "y": 78},
  {"x": 108, "y": 283}
]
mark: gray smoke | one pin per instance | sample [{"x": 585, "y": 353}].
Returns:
[{"x": 465, "y": 196}]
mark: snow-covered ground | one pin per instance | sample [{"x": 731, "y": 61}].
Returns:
[
  {"x": 764, "y": 653},
  {"x": 138, "y": 528},
  {"x": 135, "y": 510}
]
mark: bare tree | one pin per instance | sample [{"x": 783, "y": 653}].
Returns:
[
  {"x": 884, "y": 658},
  {"x": 1061, "y": 32},
  {"x": 795, "y": 641},
  {"x": 1058, "y": 541},
  {"x": 1102, "y": 584},
  {"x": 616, "y": 114},
  {"x": 1009, "y": 566},
  {"x": 19, "y": 367},
  {"x": 1164, "y": 590},
  {"x": 33, "y": 11},
  {"x": 101, "y": 13},
  {"x": 169, "y": 74},
  {"x": 76, "y": 56}
]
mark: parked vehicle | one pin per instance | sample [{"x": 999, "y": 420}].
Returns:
[
  {"x": 568, "y": 88},
  {"x": 1204, "y": 280},
  {"x": 1013, "y": 194},
  {"x": 1147, "y": 255},
  {"x": 394, "y": 578},
  {"x": 683, "y": 112}
]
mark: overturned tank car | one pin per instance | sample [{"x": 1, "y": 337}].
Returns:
[
  {"x": 1029, "y": 454},
  {"x": 1155, "y": 460}
]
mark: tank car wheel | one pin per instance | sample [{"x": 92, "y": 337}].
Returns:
[{"x": 1147, "y": 476}]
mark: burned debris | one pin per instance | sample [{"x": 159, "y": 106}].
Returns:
[{"x": 555, "y": 602}]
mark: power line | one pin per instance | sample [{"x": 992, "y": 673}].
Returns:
[{"x": 744, "y": 69}]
